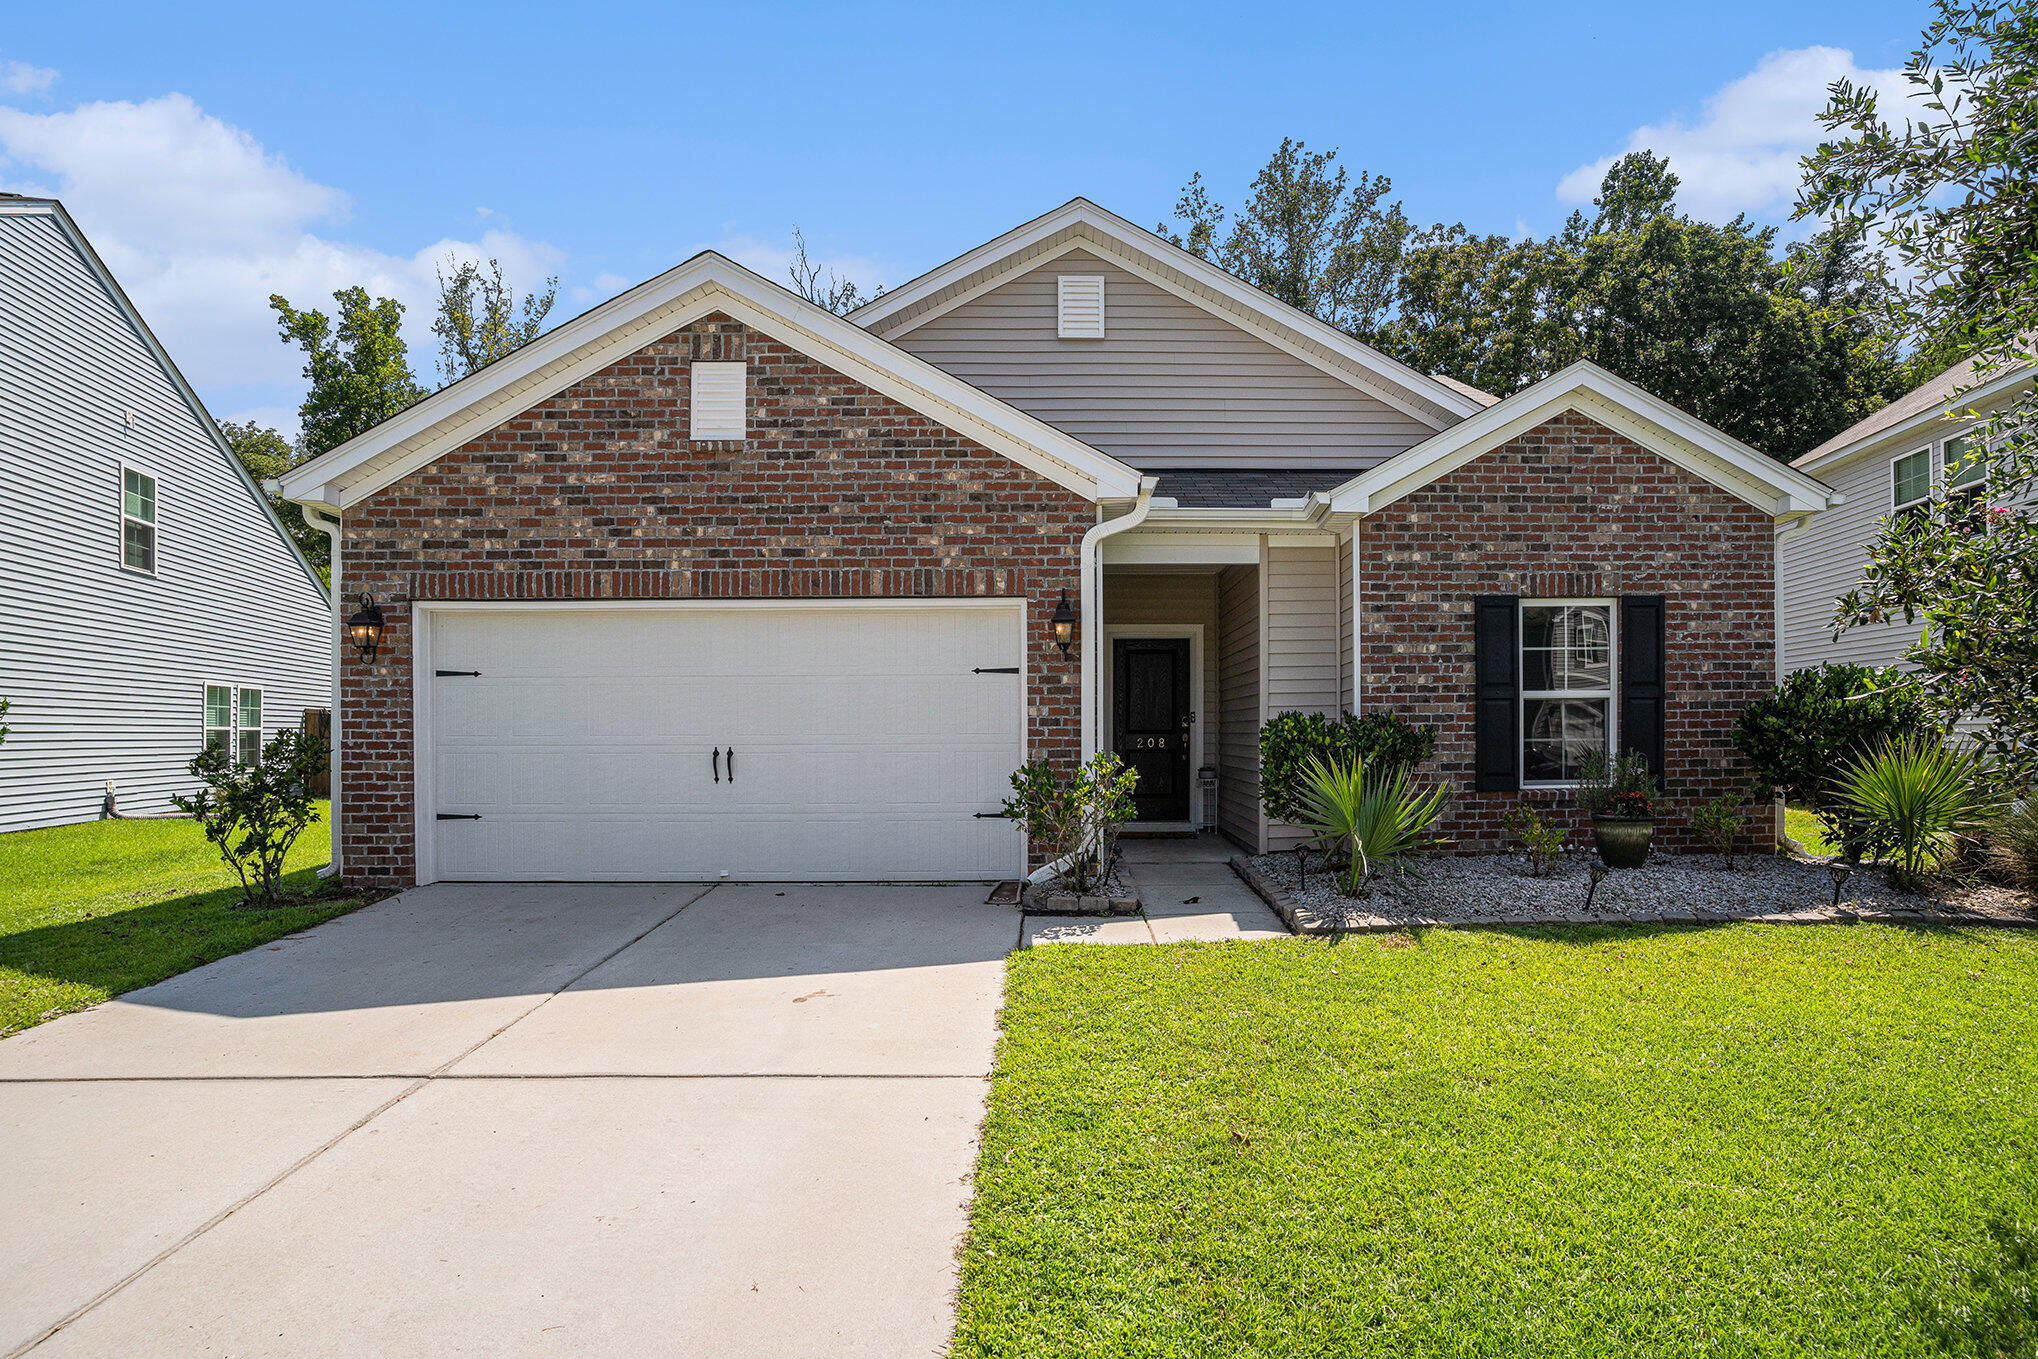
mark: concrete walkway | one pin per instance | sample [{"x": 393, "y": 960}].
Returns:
[
  {"x": 1188, "y": 892},
  {"x": 535, "y": 1119}
]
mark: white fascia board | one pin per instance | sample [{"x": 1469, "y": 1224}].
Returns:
[
  {"x": 1170, "y": 267},
  {"x": 1684, "y": 440},
  {"x": 448, "y": 419},
  {"x": 1907, "y": 431}
]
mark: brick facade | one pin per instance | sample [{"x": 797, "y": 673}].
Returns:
[
  {"x": 1571, "y": 509},
  {"x": 596, "y": 494}
]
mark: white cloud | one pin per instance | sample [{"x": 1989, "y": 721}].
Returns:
[
  {"x": 1742, "y": 154},
  {"x": 201, "y": 224},
  {"x": 600, "y": 288},
  {"x": 20, "y": 78}
]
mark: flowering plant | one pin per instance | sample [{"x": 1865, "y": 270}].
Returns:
[{"x": 1622, "y": 790}]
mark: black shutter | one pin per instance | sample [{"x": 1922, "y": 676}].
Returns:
[
  {"x": 1641, "y": 677},
  {"x": 1496, "y": 683}
]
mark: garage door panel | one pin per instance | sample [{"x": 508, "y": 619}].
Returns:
[{"x": 865, "y": 744}]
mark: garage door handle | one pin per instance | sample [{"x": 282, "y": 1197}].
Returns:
[
  {"x": 718, "y": 764},
  {"x": 732, "y": 764}
]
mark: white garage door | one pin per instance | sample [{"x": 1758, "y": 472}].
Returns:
[{"x": 824, "y": 742}]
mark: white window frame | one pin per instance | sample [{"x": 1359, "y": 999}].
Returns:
[
  {"x": 1523, "y": 695},
  {"x": 1931, "y": 456},
  {"x": 241, "y": 730},
  {"x": 1945, "y": 468},
  {"x": 155, "y": 507},
  {"x": 233, "y": 712}
]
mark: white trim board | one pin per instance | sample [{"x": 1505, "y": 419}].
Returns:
[{"x": 706, "y": 283}]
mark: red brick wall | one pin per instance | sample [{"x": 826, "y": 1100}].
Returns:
[
  {"x": 596, "y": 493},
  {"x": 1571, "y": 509}
]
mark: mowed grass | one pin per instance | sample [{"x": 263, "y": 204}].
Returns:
[
  {"x": 1803, "y": 825},
  {"x": 91, "y": 910},
  {"x": 1742, "y": 1140}
]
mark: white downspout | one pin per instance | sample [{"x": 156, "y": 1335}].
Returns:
[
  {"x": 1089, "y": 564},
  {"x": 331, "y": 529}
]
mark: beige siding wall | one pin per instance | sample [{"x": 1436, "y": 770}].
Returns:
[
  {"x": 1302, "y": 626},
  {"x": 1238, "y": 763},
  {"x": 1174, "y": 599},
  {"x": 1346, "y": 680},
  {"x": 1169, "y": 385},
  {"x": 1822, "y": 561}
]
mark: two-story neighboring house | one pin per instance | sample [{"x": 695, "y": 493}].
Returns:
[
  {"x": 709, "y": 582},
  {"x": 152, "y": 600},
  {"x": 1886, "y": 465}
]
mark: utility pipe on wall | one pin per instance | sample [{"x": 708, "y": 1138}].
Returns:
[{"x": 331, "y": 528}]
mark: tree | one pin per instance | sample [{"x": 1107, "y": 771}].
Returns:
[
  {"x": 839, "y": 295},
  {"x": 359, "y": 370},
  {"x": 254, "y": 812},
  {"x": 1635, "y": 191},
  {"x": 266, "y": 454},
  {"x": 478, "y": 319},
  {"x": 1952, "y": 196}
]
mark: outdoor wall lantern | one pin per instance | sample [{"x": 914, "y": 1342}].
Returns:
[
  {"x": 1064, "y": 621},
  {"x": 364, "y": 629}
]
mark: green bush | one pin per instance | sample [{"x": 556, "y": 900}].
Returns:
[
  {"x": 1916, "y": 801},
  {"x": 2013, "y": 842},
  {"x": 1288, "y": 741},
  {"x": 255, "y": 812},
  {"x": 1367, "y": 820},
  {"x": 1621, "y": 790},
  {"x": 1075, "y": 823},
  {"x": 1801, "y": 737},
  {"x": 1719, "y": 823},
  {"x": 1540, "y": 840}
]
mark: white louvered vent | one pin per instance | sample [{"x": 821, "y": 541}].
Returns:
[
  {"x": 1080, "y": 315},
  {"x": 717, "y": 401}
]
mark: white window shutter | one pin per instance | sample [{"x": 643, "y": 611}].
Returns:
[
  {"x": 717, "y": 401},
  {"x": 1080, "y": 313}
]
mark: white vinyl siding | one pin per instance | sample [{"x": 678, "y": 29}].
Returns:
[
  {"x": 717, "y": 410},
  {"x": 1169, "y": 385},
  {"x": 1302, "y": 670},
  {"x": 1238, "y": 763},
  {"x": 106, "y": 668},
  {"x": 1079, "y": 306}
]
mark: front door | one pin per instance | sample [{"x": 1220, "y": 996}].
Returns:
[{"x": 1152, "y": 721}]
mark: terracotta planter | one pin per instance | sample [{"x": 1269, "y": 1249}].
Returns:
[{"x": 1622, "y": 843}]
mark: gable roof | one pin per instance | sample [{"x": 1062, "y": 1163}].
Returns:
[
  {"x": 1081, "y": 225},
  {"x": 1962, "y": 385},
  {"x": 21, "y": 205},
  {"x": 1590, "y": 390},
  {"x": 707, "y": 283}
]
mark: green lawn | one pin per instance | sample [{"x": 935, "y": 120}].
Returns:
[
  {"x": 92, "y": 910},
  {"x": 1742, "y": 1140},
  {"x": 1803, "y": 825}
]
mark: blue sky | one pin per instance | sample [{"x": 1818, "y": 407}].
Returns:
[{"x": 217, "y": 155}]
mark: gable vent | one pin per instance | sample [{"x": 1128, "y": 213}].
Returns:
[
  {"x": 1080, "y": 313},
  {"x": 717, "y": 404}
]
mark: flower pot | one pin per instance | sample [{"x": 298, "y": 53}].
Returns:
[{"x": 1622, "y": 843}]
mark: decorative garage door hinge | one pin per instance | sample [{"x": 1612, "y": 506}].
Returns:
[
  {"x": 992, "y": 816},
  {"x": 443, "y": 673},
  {"x": 459, "y": 816},
  {"x": 995, "y": 670}
]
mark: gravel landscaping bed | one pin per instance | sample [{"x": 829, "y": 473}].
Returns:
[{"x": 1487, "y": 889}]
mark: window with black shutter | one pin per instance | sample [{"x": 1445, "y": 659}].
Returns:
[{"x": 1497, "y": 693}]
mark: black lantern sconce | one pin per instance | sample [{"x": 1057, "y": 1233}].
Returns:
[
  {"x": 364, "y": 629},
  {"x": 1064, "y": 622}
]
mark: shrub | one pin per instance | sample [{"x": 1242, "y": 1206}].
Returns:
[
  {"x": 1287, "y": 742},
  {"x": 2013, "y": 843},
  {"x": 1075, "y": 823},
  {"x": 1916, "y": 801},
  {"x": 1622, "y": 790},
  {"x": 255, "y": 812},
  {"x": 1812, "y": 725},
  {"x": 1370, "y": 820},
  {"x": 1540, "y": 840},
  {"x": 1719, "y": 823}
]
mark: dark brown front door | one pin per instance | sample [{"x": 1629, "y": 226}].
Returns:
[{"x": 1150, "y": 695}]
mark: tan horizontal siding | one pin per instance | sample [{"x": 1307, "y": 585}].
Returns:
[{"x": 1238, "y": 763}]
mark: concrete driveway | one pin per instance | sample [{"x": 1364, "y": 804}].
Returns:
[{"x": 533, "y": 1119}]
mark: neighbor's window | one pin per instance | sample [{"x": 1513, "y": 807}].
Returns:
[
  {"x": 1911, "y": 484},
  {"x": 219, "y": 716},
  {"x": 1966, "y": 473},
  {"x": 1566, "y": 687},
  {"x": 251, "y": 726},
  {"x": 137, "y": 520}
]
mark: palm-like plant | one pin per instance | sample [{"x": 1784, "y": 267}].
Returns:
[
  {"x": 1917, "y": 801},
  {"x": 1371, "y": 820}
]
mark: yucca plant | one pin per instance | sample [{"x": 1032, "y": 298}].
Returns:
[
  {"x": 1367, "y": 821},
  {"x": 1915, "y": 801}
]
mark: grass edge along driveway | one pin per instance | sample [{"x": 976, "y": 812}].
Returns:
[
  {"x": 95, "y": 909},
  {"x": 1741, "y": 1140}
]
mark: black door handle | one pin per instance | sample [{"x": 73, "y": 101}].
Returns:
[
  {"x": 732, "y": 764},
  {"x": 718, "y": 764}
]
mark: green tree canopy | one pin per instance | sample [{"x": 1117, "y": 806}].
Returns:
[
  {"x": 265, "y": 453},
  {"x": 479, "y": 319},
  {"x": 359, "y": 368}
]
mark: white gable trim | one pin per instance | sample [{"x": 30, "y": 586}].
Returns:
[
  {"x": 1175, "y": 270},
  {"x": 50, "y": 207},
  {"x": 1684, "y": 440},
  {"x": 707, "y": 283},
  {"x": 1980, "y": 397}
]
